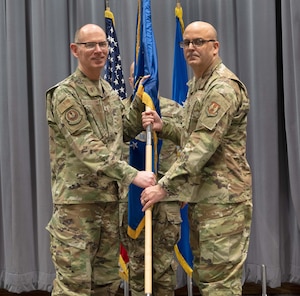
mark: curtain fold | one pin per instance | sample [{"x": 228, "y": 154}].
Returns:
[
  {"x": 260, "y": 42},
  {"x": 291, "y": 78}
]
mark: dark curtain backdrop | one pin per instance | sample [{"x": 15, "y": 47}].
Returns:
[{"x": 260, "y": 42}]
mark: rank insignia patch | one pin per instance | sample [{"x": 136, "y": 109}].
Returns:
[
  {"x": 73, "y": 116},
  {"x": 213, "y": 109}
]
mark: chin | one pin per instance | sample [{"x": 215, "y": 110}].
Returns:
[
  {"x": 192, "y": 62},
  {"x": 99, "y": 65}
]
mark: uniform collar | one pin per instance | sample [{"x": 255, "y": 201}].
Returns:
[
  {"x": 200, "y": 82},
  {"x": 93, "y": 88}
]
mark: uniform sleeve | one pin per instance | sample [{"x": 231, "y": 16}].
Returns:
[
  {"x": 172, "y": 120},
  {"x": 71, "y": 119},
  {"x": 132, "y": 120}
]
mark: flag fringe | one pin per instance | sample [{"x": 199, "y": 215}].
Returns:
[
  {"x": 123, "y": 273},
  {"x": 186, "y": 267},
  {"x": 110, "y": 15},
  {"x": 135, "y": 233}
]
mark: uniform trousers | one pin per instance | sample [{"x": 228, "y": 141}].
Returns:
[
  {"x": 85, "y": 244},
  {"x": 166, "y": 222},
  {"x": 219, "y": 237}
]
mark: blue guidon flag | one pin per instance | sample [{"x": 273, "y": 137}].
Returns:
[
  {"x": 179, "y": 91},
  {"x": 145, "y": 63}
]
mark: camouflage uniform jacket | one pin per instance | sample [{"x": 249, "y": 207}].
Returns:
[
  {"x": 212, "y": 167},
  {"x": 86, "y": 136}
]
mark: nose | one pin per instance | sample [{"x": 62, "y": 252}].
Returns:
[
  {"x": 191, "y": 43},
  {"x": 98, "y": 47}
]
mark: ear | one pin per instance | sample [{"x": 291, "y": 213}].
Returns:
[
  {"x": 74, "y": 49},
  {"x": 216, "y": 46}
]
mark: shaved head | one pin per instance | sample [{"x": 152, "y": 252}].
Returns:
[
  {"x": 86, "y": 30},
  {"x": 208, "y": 31}
]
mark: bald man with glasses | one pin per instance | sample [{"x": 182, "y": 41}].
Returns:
[
  {"x": 212, "y": 173},
  {"x": 86, "y": 131}
]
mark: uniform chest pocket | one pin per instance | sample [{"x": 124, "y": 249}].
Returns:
[
  {"x": 193, "y": 112},
  {"x": 97, "y": 116}
]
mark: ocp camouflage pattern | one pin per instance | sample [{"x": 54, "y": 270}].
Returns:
[
  {"x": 86, "y": 136},
  {"x": 212, "y": 166}
]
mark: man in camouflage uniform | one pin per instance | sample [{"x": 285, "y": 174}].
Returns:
[
  {"x": 86, "y": 133},
  {"x": 166, "y": 221},
  {"x": 212, "y": 170}
]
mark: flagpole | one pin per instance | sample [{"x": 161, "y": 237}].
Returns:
[
  {"x": 148, "y": 218},
  {"x": 189, "y": 285},
  {"x": 263, "y": 280}
]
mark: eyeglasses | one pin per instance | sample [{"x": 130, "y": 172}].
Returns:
[
  {"x": 92, "y": 45},
  {"x": 198, "y": 42}
]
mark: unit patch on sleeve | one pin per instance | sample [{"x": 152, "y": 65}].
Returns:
[
  {"x": 212, "y": 109},
  {"x": 73, "y": 117}
]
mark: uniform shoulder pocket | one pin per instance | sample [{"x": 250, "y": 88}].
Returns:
[
  {"x": 214, "y": 109},
  {"x": 71, "y": 116}
]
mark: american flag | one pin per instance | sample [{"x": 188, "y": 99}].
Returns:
[
  {"x": 114, "y": 76},
  {"x": 113, "y": 68}
]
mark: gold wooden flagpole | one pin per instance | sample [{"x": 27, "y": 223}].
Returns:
[{"x": 148, "y": 217}]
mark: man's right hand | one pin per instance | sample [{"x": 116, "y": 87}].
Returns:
[
  {"x": 150, "y": 117},
  {"x": 144, "y": 179}
]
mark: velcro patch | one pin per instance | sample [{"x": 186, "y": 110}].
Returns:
[{"x": 63, "y": 106}]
